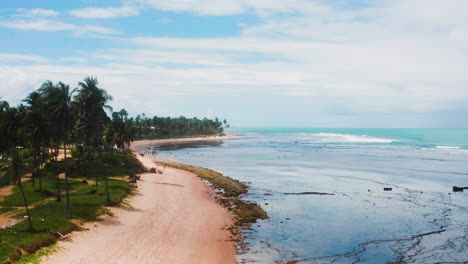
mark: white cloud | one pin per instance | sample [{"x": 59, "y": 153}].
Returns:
[
  {"x": 52, "y": 26},
  {"x": 109, "y": 12},
  {"x": 10, "y": 57},
  {"x": 235, "y": 7},
  {"x": 74, "y": 59},
  {"x": 391, "y": 57},
  {"x": 37, "y": 12}
]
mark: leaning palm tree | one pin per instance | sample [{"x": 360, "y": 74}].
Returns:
[{"x": 16, "y": 164}]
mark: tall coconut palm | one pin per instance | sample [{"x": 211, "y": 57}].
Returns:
[
  {"x": 4, "y": 106},
  {"x": 49, "y": 92},
  {"x": 35, "y": 129},
  {"x": 61, "y": 108},
  {"x": 16, "y": 164},
  {"x": 119, "y": 132},
  {"x": 93, "y": 105}
]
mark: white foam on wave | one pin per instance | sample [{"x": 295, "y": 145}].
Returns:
[
  {"x": 344, "y": 138},
  {"x": 446, "y": 147}
]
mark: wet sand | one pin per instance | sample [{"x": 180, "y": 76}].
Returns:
[{"x": 173, "y": 219}]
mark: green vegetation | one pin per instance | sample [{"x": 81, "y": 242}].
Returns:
[
  {"x": 67, "y": 158},
  {"x": 5, "y": 209},
  {"x": 166, "y": 127},
  {"x": 48, "y": 188},
  {"x": 48, "y": 216}
]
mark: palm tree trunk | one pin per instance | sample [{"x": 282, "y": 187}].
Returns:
[
  {"x": 67, "y": 184},
  {"x": 40, "y": 182},
  {"x": 107, "y": 190},
  {"x": 105, "y": 176},
  {"x": 25, "y": 204},
  {"x": 34, "y": 175},
  {"x": 59, "y": 196}
]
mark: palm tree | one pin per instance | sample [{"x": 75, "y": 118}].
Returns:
[
  {"x": 49, "y": 92},
  {"x": 16, "y": 164},
  {"x": 4, "y": 106},
  {"x": 62, "y": 107},
  {"x": 119, "y": 132},
  {"x": 36, "y": 131},
  {"x": 93, "y": 106}
]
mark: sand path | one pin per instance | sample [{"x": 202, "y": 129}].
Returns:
[{"x": 173, "y": 220}]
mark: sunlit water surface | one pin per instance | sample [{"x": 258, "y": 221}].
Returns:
[{"x": 420, "y": 221}]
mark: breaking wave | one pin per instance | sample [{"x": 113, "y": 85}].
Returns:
[
  {"x": 344, "y": 138},
  {"x": 446, "y": 147}
]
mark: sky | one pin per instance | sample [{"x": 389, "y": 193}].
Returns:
[{"x": 302, "y": 63}]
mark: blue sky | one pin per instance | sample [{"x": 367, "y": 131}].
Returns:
[{"x": 387, "y": 63}]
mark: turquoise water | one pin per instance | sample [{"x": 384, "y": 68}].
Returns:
[{"x": 419, "y": 221}]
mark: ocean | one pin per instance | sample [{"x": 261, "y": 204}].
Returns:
[{"x": 323, "y": 189}]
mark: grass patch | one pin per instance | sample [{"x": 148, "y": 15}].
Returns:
[
  {"x": 35, "y": 258},
  {"x": 20, "y": 245},
  {"x": 34, "y": 195},
  {"x": 6, "y": 209},
  {"x": 50, "y": 218}
]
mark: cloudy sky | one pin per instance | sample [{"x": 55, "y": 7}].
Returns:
[{"x": 335, "y": 63}]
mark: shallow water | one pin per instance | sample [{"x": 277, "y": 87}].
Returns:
[{"x": 420, "y": 221}]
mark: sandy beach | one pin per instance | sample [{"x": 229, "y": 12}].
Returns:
[{"x": 172, "y": 219}]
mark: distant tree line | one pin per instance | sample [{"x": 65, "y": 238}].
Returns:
[
  {"x": 55, "y": 118},
  {"x": 166, "y": 127}
]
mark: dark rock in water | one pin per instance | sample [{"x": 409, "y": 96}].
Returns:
[
  {"x": 305, "y": 193},
  {"x": 368, "y": 190},
  {"x": 267, "y": 194},
  {"x": 287, "y": 218},
  {"x": 387, "y": 189},
  {"x": 266, "y": 203},
  {"x": 458, "y": 189}
]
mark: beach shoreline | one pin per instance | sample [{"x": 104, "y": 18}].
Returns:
[
  {"x": 138, "y": 145},
  {"x": 173, "y": 219}
]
